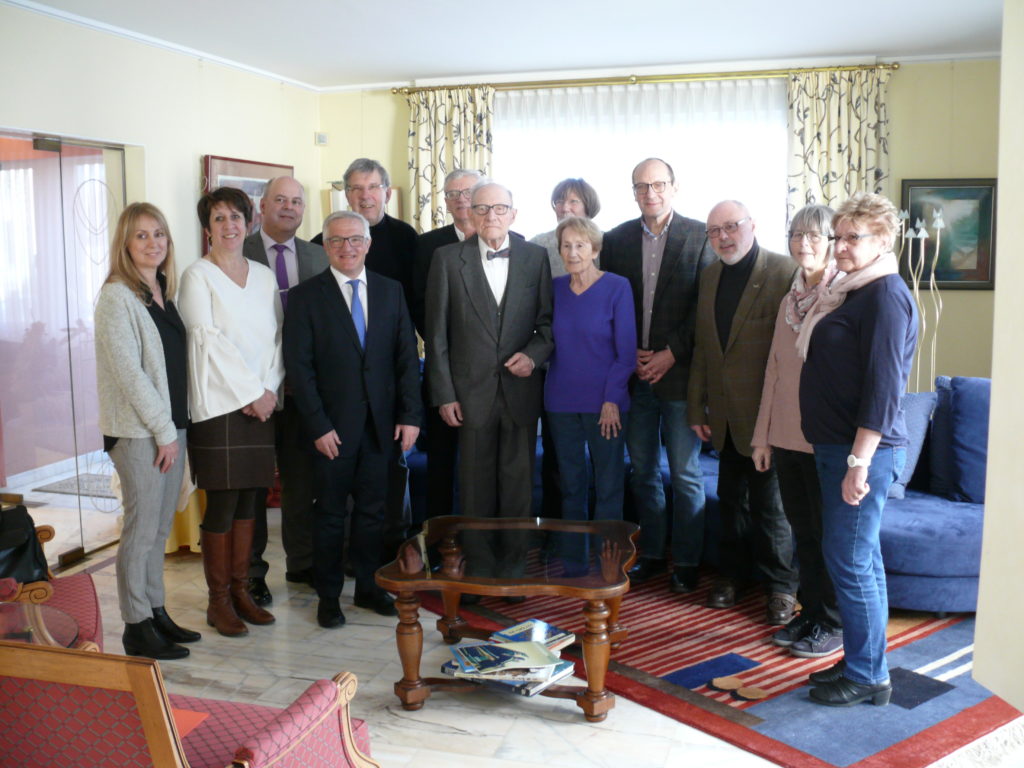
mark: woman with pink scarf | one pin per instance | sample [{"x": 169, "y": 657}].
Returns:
[
  {"x": 858, "y": 342},
  {"x": 817, "y": 630}
]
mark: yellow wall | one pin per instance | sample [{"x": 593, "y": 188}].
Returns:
[
  {"x": 944, "y": 119},
  {"x": 365, "y": 124},
  {"x": 998, "y": 663},
  {"x": 68, "y": 80}
]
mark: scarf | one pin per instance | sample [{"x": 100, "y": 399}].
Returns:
[
  {"x": 800, "y": 298},
  {"x": 834, "y": 295}
]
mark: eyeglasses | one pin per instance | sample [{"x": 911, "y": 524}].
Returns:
[
  {"x": 499, "y": 208},
  {"x": 852, "y": 238},
  {"x": 567, "y": 201},
  {"x": 455, "y": 194},
  {"x": 371, "y": 188},
  {"x": 729, "y": 228},
  {"x": 337, "y": 241},
  {"x": 641, "y": 188},
  {"x": 812, "y": 237}
]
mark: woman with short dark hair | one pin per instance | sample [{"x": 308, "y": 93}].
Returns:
[
  {"x": 858, "y": 344},
  {"x": 233, "y": 316}
]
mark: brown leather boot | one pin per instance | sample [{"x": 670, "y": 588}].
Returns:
[
  {"x": 241, "y": 551},
  {"x": 217, "y": 565}
]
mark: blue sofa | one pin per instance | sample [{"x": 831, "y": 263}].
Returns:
[{"x": 931, "y": 528}]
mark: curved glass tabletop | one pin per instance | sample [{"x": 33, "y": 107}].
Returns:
[{"x": 528, "y": 553}]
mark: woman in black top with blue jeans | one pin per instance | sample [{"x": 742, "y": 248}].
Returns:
[{"x": 859, "y": 345}]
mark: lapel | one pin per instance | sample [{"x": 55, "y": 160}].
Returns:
[
  {"x": 478, "y": 290},
  {"x": 331, "y": 292},
  {"x": 515, "y": 286},
  {"x": 750, "y": 293},
  {"x": 714, "y": 276},
  {"x": 303, "y": 260},
  {"x": 675, "y": 239}
]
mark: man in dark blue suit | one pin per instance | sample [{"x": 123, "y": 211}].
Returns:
[{"x": 352, "y": 364}]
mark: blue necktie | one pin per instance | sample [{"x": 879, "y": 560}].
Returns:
[{"x": 357, "y": 313}]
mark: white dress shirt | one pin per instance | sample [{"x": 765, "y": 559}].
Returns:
[
  {"x": 346, "y": 291},
  {"x": 495, "y": 270},
  {"x": 291, "y": 258}
]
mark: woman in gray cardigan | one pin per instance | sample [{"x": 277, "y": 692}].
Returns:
[{"x": 141, "y": 372}]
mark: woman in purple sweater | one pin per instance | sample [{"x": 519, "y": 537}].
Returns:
[{"x": 586, "y": 393}]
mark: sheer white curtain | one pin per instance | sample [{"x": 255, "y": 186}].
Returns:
[{"x": 724, "y": 139}]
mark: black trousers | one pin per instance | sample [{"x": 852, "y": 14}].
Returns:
[
  {"x": 295, "y": 465},
  {"x": 754, "y": 525},
  {"x": 364, "y": 476},
  {"x": 495, "y": 480},
  {"x": 801, "y": 499},
  {"x": 442, "y": 450}
]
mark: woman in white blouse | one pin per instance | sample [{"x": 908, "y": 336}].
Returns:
[{"x": 233, "y": 320}]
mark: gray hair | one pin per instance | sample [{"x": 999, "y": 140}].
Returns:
[
  {"x": 813, "y": 218},
  {"x": 583, "y": 226},
  {"x": 366, "y": 165},
  {"x": 462, "y": 173},
  {"x": 488, "y": 182},
  {"x": 347, "y": 215}
]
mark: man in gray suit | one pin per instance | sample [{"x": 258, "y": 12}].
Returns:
[
  {"x": 293, "y": 261},
  {"x": 488, "y": 325}
]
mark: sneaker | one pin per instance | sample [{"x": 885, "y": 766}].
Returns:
[
  {"x": 797, "y": 629},
  {"x": 820, "y": 641}
]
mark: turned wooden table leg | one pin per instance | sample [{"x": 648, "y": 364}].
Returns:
[
  {"x": 616, "y": 632},
  {"x": 411, "y": 689},
  {"x": 451, "y": 624},
  {"x": 596, "y": 700}
]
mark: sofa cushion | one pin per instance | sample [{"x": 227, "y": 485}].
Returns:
[
  {"x": 928, "y": 535},
  {"x": 969, "y": 444},
  {"x": 917, "y": 409},
  {"x": 940, "y": 446}
]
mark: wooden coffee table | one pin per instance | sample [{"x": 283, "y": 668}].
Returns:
[{"x": 488, "y": 556}]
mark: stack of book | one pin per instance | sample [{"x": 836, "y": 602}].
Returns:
[{"x": 522, "y": 659}]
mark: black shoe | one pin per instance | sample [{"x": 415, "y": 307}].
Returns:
[
  {"x": 684, "y": 579},
  {"x": 328, "y": 613},
  {"x": 305, "y": 576},
  {"x": 723, "y": 593},
  {"x": 845, "y": 693},
  {"x": 829, "y": 675},
  {"x": 144, "y": 639},
  {"x": 515, "y": 599},
  {"x": 259, "y": 592},
  {"x": 166, "y": 626},
  {"x": 469, "y": 599},
  {"x": 646, "y": 568},
  {"x": 797, "y": 628},
  {"x": 378, "y": 602}
]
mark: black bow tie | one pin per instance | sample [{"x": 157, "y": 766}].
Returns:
[{"x": 502, "y": 254}]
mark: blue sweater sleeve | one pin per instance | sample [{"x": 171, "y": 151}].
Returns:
[
  {"x": 624, "y": 328},
  {"x": 887, "y": 339}
]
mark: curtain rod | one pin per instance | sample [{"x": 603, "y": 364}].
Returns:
[{"x": 528, "y": 85}]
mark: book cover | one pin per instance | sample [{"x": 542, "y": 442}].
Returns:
[
  {"x": 537, "y": 631},
  {"x": 504, "y": 659},
  {"x": 560, "y": 671}
]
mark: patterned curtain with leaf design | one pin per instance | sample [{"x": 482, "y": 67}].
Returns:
[
  {"x": 838, "y": 136},
  {"x": 449, "y": 128}
]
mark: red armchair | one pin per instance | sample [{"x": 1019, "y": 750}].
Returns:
[{"x": 71, "y": 707}]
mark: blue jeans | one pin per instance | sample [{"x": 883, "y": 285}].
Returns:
[
  {"x": 573, "y": 434},
  {"x": 853, "y": 555},
  {"x": 649, "y": 418}
]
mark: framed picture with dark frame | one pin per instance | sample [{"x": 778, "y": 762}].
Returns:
[
  {"x": 249, "y": 176},
  {"x": 966, "y": 257}
]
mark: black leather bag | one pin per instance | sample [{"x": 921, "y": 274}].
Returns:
[{"x": 21, "y": 554}]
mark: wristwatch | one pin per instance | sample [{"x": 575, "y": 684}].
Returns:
[{"x": 852, "y": 461}]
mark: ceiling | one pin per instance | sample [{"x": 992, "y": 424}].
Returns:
[{"x": 327, "y": 44}]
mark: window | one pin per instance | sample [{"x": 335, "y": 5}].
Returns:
[{"x": 724, "y": 139}]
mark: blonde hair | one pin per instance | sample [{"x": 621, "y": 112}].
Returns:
[
  {"x": 581, "y": 225},
  {"x": 873, "y": 211},
  {"x": 122, "y": 268}
]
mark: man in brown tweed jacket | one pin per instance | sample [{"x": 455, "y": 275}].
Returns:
[{"x": 738, "y": 301}]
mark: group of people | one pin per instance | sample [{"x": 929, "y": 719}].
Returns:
[{"x": 664, "y": 330}]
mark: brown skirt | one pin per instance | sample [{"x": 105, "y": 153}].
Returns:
[{"x": 231, "y": 452}]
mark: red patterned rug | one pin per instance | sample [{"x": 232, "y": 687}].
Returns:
[{"x": 676, "y": 646}]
